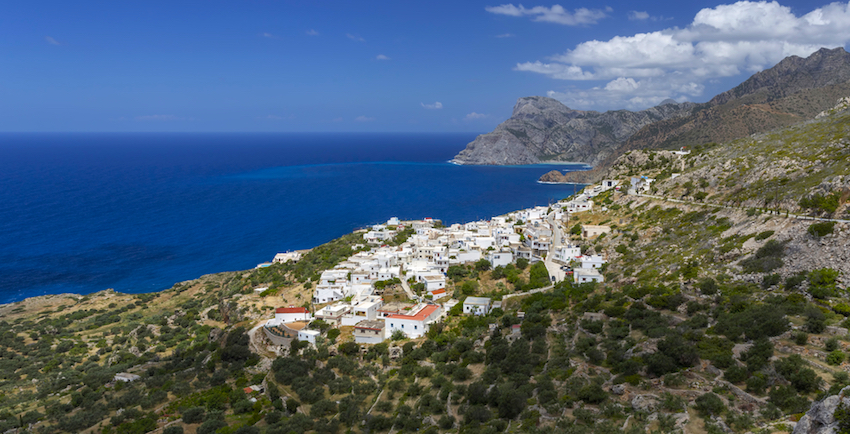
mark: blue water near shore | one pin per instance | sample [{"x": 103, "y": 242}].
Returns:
[{"x": 139, "y": 212}]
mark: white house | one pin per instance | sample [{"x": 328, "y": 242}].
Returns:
[
  {"x": 292, "y": 314},
  {"x": 305, "y": 335},
  {"x": 281, "y": 258},
  {"x": 476, "y": 305},
  {"x": 585, "y": 275},
  {"x": 500, "y": 258},
  {"x": 565, "y": 254},
  {"x": 608, "y": 184},
  {"x": 369, "y": 332},
  {"x": 592, "y": 231},
  {"x": 591, "y": 261},
  {"x": 434, "y": 282},
  {"x": 393, "y": 221},
  {"x": 415, "y": 323}
]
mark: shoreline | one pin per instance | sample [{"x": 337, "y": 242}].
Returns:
[{"x": 542, "y": 163}]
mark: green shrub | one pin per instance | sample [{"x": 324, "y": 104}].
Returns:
[
  {"x": 821, "y": 229},
  {"x": 767, "y": 258},
  {"x": 835, "y": 358},
  {"x": 819, "y": 202},
  {"x": 709, "y": 404},
  {"x": 764, "y": 235}
]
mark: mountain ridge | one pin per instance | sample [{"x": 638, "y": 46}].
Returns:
[{"x": 793, "y": 90}]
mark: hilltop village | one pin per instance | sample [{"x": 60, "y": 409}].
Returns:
[{"x": 350, "y": 294}]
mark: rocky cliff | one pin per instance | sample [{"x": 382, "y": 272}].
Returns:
[{"x": 542, "y": 129}]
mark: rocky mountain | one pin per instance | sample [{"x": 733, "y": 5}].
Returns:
[
  {"x": 794, "y": 90},
  {"x": 542, "y": 129}
]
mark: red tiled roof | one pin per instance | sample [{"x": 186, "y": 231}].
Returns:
[
  {"x": 439, "y": 291},
  {"x": 291, "y": 310},
  {"x": 424, "y": 313},
  {"x": 248, "y": 390}
]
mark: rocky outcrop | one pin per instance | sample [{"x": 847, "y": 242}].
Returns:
[
  {"x": 542, "y": 129},
  {"x": 553, "y": 177},
  {"x": 820, "y": 418}
]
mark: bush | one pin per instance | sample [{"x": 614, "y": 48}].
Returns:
[
  {"x": 770, "y": 280},
  {"x": 801, "y": 338},
  {"x": 193, "y": 415},
  {"x": 831, "y": 344},
  {"x": 821, "y": 229},
  {"x": 708, "y": 286},
  {"x": 819, "y": 202},
  {"x": 709, "y": 404},
  {"x": 764, "y": 235},
  {"x": 767, "y": 258},
  {"x": 835, "y": 358}
]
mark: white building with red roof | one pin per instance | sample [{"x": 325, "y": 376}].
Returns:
[
  {"x": 292, "y": 314},
  {"x": 414, "y": 323}
]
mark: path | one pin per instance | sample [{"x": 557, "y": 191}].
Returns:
[
  {"x": 533, "y": 291},
  {"x": 407, "y": 290}
]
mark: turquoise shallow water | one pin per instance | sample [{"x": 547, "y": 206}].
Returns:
[{"x": 139, "y": 212}]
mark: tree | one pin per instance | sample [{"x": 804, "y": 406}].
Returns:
[
  {"x": 709, "y": 404},
  {"x": 482, "y": 265},
  {"x": 193, "y": 415},
  {"x": 521, "y": 263}
]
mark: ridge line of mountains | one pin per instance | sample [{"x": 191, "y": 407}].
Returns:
[{"x": 544, "y": 130}]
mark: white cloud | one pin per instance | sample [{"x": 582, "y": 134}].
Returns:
[
  {"x": 363, "y": 119},
  {"x": 267, "y": 35},
  {"x": 51, "y": 41},
  {"x": 381, "y": 57},
  {"x": 312, "y": 32},
  {"x": 436, "y": 106},
  {"x": 505, "y": 35},
  {"x": 556, "y": 14},
  {"x": 720, "y": 42},
  {"x": 638, "y": 15},
  {"x": 355, "y": 38},
  {"x": 474, "y": 116},
  {"x": 159, "y": 118}
]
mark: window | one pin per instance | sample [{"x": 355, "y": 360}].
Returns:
[{"x": 415, "y": 327}]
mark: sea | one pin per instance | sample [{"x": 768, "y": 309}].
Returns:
[{"x": 139, "y": 212}]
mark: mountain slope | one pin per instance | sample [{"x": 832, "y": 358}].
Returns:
[
  {"x": 794, "y": 90},
  {"x": 542, "y": 129}
]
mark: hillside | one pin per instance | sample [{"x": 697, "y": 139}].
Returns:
[
  {"x": 541, "y": 129},
  {"x": 719, "y": 313}
]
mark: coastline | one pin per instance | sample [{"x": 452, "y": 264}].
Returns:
[{"x": 542, "y": 163}]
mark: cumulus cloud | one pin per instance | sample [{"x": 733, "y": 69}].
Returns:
[
  {"x": 363, "y": 119},
  {"x": 355, "y": 38},
  {"x": 638, "y": 15},
  {"x": 159, "y": 118},
  {"x": 505, "y": 35},
  {"x": 720, "y": 42},
  {"x": 556, "y": 14},
  {"x": 312, "y": 32},
  {"x": 382, "y": 57},
  {"x": 436, "y": 106},
  {"x": 474, "y": 116},
  {"x": 51, "y": 41}
]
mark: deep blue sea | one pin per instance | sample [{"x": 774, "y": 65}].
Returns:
[{"x": 139, "y": 212}]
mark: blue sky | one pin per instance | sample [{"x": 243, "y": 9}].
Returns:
[{"x": 378, "y": 66}]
